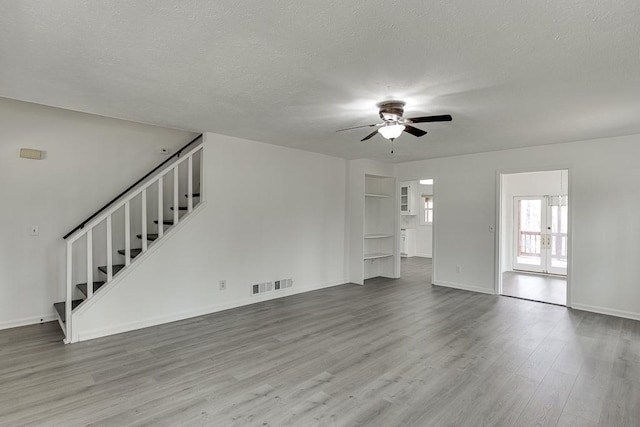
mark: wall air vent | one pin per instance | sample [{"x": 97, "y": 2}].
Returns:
[
  {"x": 261, "y": 288},
  {"x": 276, "y": 285}
]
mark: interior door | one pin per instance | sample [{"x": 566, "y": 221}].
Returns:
[
  {"x": 529, "y": 221},
  {"x": 541, "y": 234}
]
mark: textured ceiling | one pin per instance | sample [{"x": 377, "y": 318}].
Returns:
[{"x": 512, "y": 73}]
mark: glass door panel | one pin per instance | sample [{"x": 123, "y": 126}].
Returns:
[
  {"x": 558, "y": 218},
  {"x": 528, "y": 238},
  {"x": 540, "y": 241}
]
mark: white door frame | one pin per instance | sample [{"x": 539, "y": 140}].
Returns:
[{"x": 500, "y": 173}]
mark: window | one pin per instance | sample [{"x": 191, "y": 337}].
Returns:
[{"x": 427, "y": 209}]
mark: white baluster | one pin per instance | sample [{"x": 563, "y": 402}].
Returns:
[
  {"x": 190, "y": 184},
  {"x": 201, "y": 183},
  {"x": 160, "y": 208},
  {"x": 144, "y": 220},
  {"x": 176, "y": 208},
  {"x": 127, "y": 234},
  {"x": 109, "y": 251},
  {"x": 89, "y": 263},
  {"x": 67, "y": 308}
]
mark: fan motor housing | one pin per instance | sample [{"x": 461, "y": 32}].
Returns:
[{"x": 391, "y": 111}]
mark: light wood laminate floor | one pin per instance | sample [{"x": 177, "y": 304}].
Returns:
[
  {"x": 392, "y": 352},
  {"x": 535, "y": 287}
]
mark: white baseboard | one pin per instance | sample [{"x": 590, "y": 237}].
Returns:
[
  {"x": 27, "y": 321},
  {"x": 607, "y": 311},
  {"x": 464, "y": 287},
  {"x": 423, "y": 255},
  {"x": 201, "y": 311}
]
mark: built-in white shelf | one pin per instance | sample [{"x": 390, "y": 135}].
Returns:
[
  {"x": 379, "y": 248},
  {"x": 376, "y": 255}
]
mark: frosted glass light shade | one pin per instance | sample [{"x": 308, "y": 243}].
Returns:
[{"x": 391, "y": 131}]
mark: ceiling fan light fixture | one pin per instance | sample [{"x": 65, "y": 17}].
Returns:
[{"x": 391, "y": 131}]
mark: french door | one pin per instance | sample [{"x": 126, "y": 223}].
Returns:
[{"x": 540, "y": 226}]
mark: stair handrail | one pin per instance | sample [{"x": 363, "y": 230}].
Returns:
[{"x": 115, "y": 199}]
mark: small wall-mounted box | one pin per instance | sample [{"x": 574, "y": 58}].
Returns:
[{"x": 29, "y": 153}]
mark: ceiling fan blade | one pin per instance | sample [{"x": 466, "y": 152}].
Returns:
[
  {"x": 425, "y": 119},
  {"x": 414, "y": 131},
  {"x": 358, "y": 127},
  {"x": 371, "y": 135}
]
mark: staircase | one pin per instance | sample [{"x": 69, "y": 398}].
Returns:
[{"x": 101, "y": 249}]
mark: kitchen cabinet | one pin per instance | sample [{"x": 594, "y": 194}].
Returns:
[
  {"x": 408, "y": 242},
  {"x": 406, "y": 200}
]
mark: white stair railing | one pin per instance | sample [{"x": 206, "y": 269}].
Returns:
[{"x": 180, "y": 176}]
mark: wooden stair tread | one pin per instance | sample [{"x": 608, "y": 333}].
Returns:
[
  {"x": 194, "y": 195},
  {"x": 165, "y": 222},
  {"x": 151, "y": 237},
  {"x": 115, "y": 268},
  {"x": 61, "y": 308},
  {"x": 82, "y": 287},
  {"x": 180, "y": 208},
  {"x": 134, "y": 252}
]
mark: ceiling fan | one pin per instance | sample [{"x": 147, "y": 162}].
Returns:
[{"x": 393, "y": 124}]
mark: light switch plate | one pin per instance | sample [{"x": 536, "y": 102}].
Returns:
[{"x": 35, "y": 230}]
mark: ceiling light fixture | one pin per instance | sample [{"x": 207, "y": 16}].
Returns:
[{"x": 391, "y": 131}]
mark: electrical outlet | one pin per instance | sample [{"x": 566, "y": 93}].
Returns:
[
  {"x": 223, "y": 285},
  {"x": 458, "y": 269},
  {"x": 34, "y": 231},
  {"x": 164, "y": 151}
]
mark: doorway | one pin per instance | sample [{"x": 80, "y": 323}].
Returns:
[
  {"x": 416, "y": 210},
  {"x": 534, "y": 236}
]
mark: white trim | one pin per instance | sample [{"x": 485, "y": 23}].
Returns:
[
  {"x": 464, "y": 287},
  {"x": 434, "y": 189},
  {"x": 26, "y": 321},
  {"x": 422, "y": 255},
  {"x": 497, "y": 236},
  {"x": 607, "y": 311},
  {"x": 139, "y": 260},
  {"x": 202, "y": 311}
]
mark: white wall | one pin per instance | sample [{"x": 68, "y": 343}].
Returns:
[
  {"x": 604, "y": 179},
  {"x": 545, "y": 183},
  {"x": 89, "y": 159},
  {"x": 271, "y": 213}
]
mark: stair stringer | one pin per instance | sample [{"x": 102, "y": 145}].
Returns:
[{"x": 88, "y": 317}]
